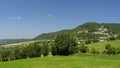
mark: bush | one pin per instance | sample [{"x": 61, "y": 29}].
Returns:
[
  {"x": 118, "y": 50},
  {"x": 83, "y": 48},
  {"x": 108, "y": 46},
  {"x": 94, "y": 51},
  {"x": 112, "y": 38},
  {"x": 0, "y": 59},
  {"x": 118, "y": 37},
  {"x": 109, "y": 50},
  {"x": 88, "y": 42}
]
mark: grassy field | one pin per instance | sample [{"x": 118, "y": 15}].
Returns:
[
  {"x": 76, "y": 61},
  {"x": 100, "y": 46}
]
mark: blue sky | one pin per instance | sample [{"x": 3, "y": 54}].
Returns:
[{"x": 29, "y": 18}]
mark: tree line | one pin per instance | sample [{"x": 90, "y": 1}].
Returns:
[
  {"x": 22, "y": 52},
  {"x": 64, "y": 44}
]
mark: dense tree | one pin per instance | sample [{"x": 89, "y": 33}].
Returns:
[
  {"x": 45, "y": 49},
  {"x": 7, "y": 55},
  {"x": 20, "y": 52},
  {"x": 36, "y": 49},
  {"x": 54, "y": 50},
  {"x": 33, "y": 50},
  {"x": 17, "y": 52},
  {"x": 64, "y": 44}
]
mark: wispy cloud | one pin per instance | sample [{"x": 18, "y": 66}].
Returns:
[
  {"x": 50, "y": 15},
  {"x": 16, "y": 18}
]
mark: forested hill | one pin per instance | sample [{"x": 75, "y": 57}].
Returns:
[
  {"x": 113, "y": 27},
  {"x": 51, "y": 35},
  {"x": 90, "y": 26}
]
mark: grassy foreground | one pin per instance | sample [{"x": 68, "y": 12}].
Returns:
[{"x": 76, "y": 61}]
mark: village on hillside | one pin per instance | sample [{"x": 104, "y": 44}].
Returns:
[{"x": 103, "y": 33}]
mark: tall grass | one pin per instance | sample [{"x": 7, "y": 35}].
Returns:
[{"x": 76, "y": 61}]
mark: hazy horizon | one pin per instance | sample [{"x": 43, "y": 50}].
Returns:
[{"x": 29, "y": 18}]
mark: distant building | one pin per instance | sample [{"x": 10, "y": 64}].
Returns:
[
  {"x": 102, "y": 30},
  {"x": 81, "y": 42},
  {"x": 83, "y": 31},
  {"x": 101, "y": 39}
]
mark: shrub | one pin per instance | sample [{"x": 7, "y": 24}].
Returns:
[
  {"x": 94, "y": 51},
  {"x": 88, "y": 42},
  {"x": 0, "y": 59},
  {"x": 83, "y": 48},
  {"x": 112, "y": 38},
  {"x": 109, "y": 50},
  {"x": 118, "y": 50},
  {"x": 118, "y": 37},
  {"x": 108, "y": 46}
]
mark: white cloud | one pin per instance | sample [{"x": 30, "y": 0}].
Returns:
[
  {"x": 15, "y": 18},
  {"x": 19, "y": 17}
]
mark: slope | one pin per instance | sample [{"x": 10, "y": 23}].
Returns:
[
  {"x": 90, "y": 26},
  {"x": 100, "y": 46}
]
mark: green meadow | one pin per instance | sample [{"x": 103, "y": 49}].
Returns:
[
  {"x": 100, "y": 46},
  {"x": 75, "y": 61}
]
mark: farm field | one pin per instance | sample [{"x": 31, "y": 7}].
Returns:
[{"x": 75, "y": 61}]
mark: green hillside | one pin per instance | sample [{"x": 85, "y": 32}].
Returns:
[
  {"x": 90, "y": 26},
  {"x": 51, "y": 35},
  {"x": 113, "y": 27},
  {"x": 100, "y": 46}
]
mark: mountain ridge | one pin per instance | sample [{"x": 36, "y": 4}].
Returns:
[
  {"x": 90, "y": 26},
  {"x": 10, "y": 41}
]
